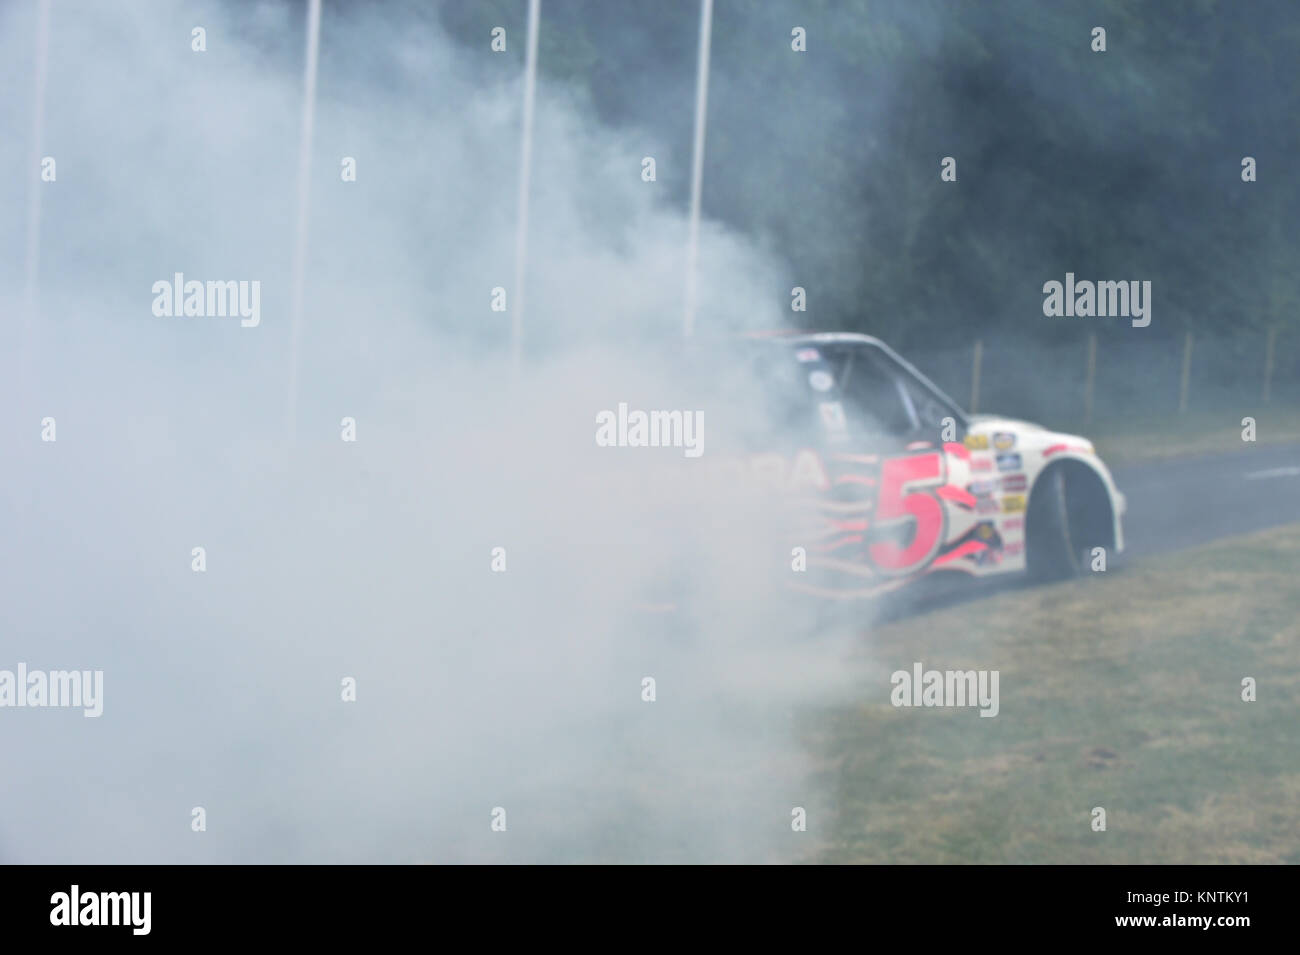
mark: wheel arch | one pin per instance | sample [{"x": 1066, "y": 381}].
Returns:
[{"x": 1091, "y": 498}]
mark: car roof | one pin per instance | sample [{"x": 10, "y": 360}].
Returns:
[{"x": 795, "y": 337}]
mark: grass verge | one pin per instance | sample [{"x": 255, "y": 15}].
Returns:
[{"x": 1121, "y": 690}]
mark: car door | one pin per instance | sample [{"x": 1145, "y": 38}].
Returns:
[{"x": 908, "y": 521}]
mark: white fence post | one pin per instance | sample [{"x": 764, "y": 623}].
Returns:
[
  {"x": 1185, "y": 381},
  {"x": 1090, "y": 379},
  {"x": 1268, "y": 362}
]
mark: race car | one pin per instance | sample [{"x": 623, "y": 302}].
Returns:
[{"x": 901, "y": 483}]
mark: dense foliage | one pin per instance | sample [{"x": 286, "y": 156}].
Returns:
[{"x": 1123, "y": 164}]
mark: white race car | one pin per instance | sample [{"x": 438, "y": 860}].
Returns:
[{"x": 904, "y": 483}]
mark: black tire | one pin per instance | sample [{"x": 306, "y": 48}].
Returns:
[{"x": 1050, "y": 552}]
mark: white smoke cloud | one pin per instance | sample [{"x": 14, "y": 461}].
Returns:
[{"x": 329, "y": 559}]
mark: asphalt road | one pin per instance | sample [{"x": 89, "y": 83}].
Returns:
[{"x": 1183, "y": 502}]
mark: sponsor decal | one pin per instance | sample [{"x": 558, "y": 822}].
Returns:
[
  {"x": 808, "y": 354},
  {"x": 832, "y": 413},
  {"x": 1076, "y": 448},
  {"x": 956, "y": 450},
  {"x": 1013, "y": 524},
  {"x": 972, "y": 550},
  {"x": 986, "y": 505},
  {"x": 981, "y": 464},
  {"x": 1013, "y": 503},
  {"x": 1009, "y": 462},
  {"x": 951, "y": 492},
  {"x": 821, "y": 380},
  {"x": 1004, "y": 440},
  {"x": 980, "y": 488},
  {"x": 1013, "y": 482},
  {"x": 774, "y": 471},
  {"x": 984, "y": 530},
  {"x": 977, "y": 442},
  {"x": 1013, "y": 549}
]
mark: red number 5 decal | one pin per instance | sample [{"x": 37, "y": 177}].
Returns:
[{"x": 894, "y": 507}]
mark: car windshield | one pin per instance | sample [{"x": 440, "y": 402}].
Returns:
[{"x": 840, "y": 390}]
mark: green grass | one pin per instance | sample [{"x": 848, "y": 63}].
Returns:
[
  {"x": 1145, "y": 438},
  {"x": 1120, "y": 690}
]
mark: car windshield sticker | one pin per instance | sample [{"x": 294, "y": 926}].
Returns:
[
  {"x": 832, "y": 413},
  {"x": 821, "y": 380}
]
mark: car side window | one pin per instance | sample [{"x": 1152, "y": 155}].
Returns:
[
  {"x": 872, "y": 391},
  {"x": 930, "y": 409}
]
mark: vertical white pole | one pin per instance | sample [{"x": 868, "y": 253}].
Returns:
[
  {"x": 525, "y": 176},
  {"x": 34, "y": 184},
  {"x": 304, "y": 193},
  {"x": 697, "y": 162}
]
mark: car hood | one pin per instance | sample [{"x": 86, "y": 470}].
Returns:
[
  {"x": 1030, "y": 430},
  {"x": 986, "y": 421}
]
